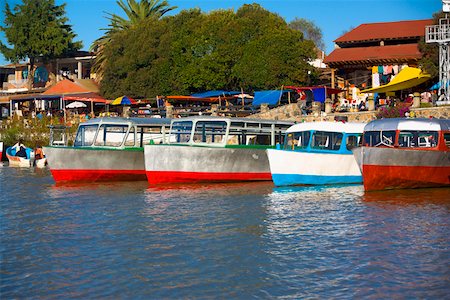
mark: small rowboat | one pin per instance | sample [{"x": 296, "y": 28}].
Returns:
[
  {"x": 40, "y": 163},
  {"x": 16, "y": 161}
]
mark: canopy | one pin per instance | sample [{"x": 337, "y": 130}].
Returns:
[
  {"x": 267, "y": 97},
  {"x": 124, "y": 100},
  {"x": 407, "y": 78}
]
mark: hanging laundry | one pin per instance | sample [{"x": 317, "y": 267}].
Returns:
[
  {"x": 385, "y": 70},
  {"x": 395, "y": 69},
  {"x": 389, "y": 69},
  {"x": 375, "y": 80},
  {"x": 380, "y": 69},
  {"x": 374, "y": 69}
]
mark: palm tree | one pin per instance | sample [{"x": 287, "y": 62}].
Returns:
[{"x": 136, "y": 12}]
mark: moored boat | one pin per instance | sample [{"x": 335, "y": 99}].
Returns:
[
  {"x": 106, "y": 149},
  {"x": 1, "y": 151},
  {"x": 405, "y": 153},
  {"x": 214, "y": 149},
  {"x": 317, "y": 153},
  {"x": 19, "y": 161}
]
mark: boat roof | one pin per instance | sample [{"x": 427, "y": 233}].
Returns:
[
  {"x": 347, "y": 127},
  {"x": 135, "y": 121},
  {"x": 244, "y": 120},
  {"x": 420, "y": 124}
]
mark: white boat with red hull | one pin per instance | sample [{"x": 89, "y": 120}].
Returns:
[
  {"x": 214, "y": 149},
  {"x": 405, "y": 153},
  {"x": 107, "y": 149}
]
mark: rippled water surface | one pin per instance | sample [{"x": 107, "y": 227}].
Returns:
[{"x": 126, "y": 240}]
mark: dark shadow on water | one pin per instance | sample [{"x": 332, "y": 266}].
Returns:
[{"x": 423, "y": 196}]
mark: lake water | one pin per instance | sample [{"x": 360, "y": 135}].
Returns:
[{"x": 126, "y": 240}]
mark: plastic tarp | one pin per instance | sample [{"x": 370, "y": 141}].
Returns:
[
  {"x": 437, "y": 86},
  {"x": 267, "y": 97},
  {"x": 407, "y": 78}
]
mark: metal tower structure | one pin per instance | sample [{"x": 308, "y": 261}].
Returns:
[{"x": 440, "y": 34}]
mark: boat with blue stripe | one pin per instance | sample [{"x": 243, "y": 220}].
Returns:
[{"x": 317, "y": 153}]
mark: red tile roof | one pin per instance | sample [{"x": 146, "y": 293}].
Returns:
[
  {"x": 386, "y": 30},
  {"x": 366, "y": 55}
]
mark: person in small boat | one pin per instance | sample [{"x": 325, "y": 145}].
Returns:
[
  {"x": 38, "y": 152},
  {"x": 20, "y": 149}
]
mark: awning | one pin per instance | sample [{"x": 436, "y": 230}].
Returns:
[{"x": 407, "y": 78}]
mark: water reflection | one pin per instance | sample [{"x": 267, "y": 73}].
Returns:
[{"x": 424, "y": 196}]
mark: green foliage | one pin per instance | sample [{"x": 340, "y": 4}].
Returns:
[
  {"x": 430, "y": 53},
  {"x": 32, "y": 131},
  {"x": 193, "y": 51},
  {"x": 310, "y": 31},
  {"x": 137, "y": 13}
]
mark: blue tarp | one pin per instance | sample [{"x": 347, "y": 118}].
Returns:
[
  {"x": 214, "y": 94},
  {"x": 267, "y": 97},
  {"x": 319, "y": 94},
  {"x": 437, "y": 86}
]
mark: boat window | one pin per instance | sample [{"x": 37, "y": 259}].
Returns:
[
  {"x": 111, "y": 135},
  {"x": 427, "y": 139},
  {"x": 447, "y": 139},
  {"x": 258, "y": 139},
  {"x": 85, "y": 135},
  {"x": 325, "y": 140},
  {"x": 210, "y": 132},
  {"x": 379, "y": 138},
  {"x": 181, "y": 132},
  {"x": 353, "y": 141},
  {"x": 297, "y": 140},
  {"x": 131, "y": 137},
  {"x": 150, "y": 134},
  {"x": 419, "y": 139}
]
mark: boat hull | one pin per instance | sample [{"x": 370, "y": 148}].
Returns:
[
  {"x": 309, "y": 168},
  {"x": 395, "y": 168},
  {"x": 186, "y": 164},
  {"x": 91, "y": 165}
]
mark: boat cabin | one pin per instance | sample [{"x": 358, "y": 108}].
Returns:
[
  {"x": 432, "y": 134},
  {"x": 324, "y": 137},
  {"x": 121, "y": 132},
  {"x": 227, "y": 132}
]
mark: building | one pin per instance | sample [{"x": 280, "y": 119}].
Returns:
[
  {"x": 371, "y": 54},
  {"x": 14, "y": 76}
]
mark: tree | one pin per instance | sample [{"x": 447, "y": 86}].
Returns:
[
  {"x": 137, "y": 12},
  {"x": 310, "y": 31},
  {"x": 37, "y": 29},
  {"x": 192, "y": 51},
  {"x": 430, "y": 52}
]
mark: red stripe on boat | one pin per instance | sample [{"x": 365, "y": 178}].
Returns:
[
  {"x": 158, "y": 177},
  {"x": 98, "y": 175},
  {"x": 389, "y": 177}
]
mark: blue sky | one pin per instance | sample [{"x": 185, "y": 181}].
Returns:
[{"x": 333, "y": 16}]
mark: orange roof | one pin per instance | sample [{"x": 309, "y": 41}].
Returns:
[
  {"x": 366, "y": 55},
  {"x": 66, "y": 86},
  {"x": 385, "y": 30}
]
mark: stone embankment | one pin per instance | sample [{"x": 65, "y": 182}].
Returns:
[{"x": 293, "y": 112}]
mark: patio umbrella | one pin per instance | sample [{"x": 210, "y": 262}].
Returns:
[
  {"x": 76, "y": 104},
  {"x": 124, "y": 100}
]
